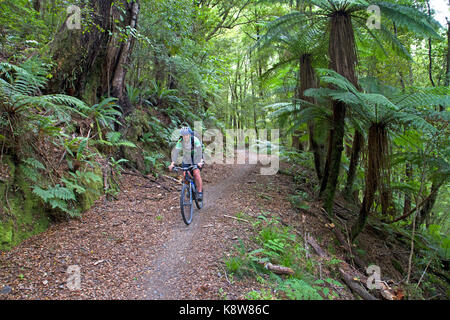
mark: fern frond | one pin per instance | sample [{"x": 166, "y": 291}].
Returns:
[
  {"x": 62, "y": 193},
  {"x": 410, "y": 18},
  {"x": 43, "y": 194},
  {"x": 73, "y": 186},
  {"x": 34, "y": 163}
]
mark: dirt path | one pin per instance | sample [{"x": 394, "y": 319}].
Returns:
[
  {"x": 170, "y": 268},
  {"x": 137, "y": 247}
]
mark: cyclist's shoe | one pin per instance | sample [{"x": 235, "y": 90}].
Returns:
[{"x": 200, "y": 196}]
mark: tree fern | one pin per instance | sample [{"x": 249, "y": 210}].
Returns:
[
  {"x": 410, "y": 18},
  {"x": 374, "y": 107}
]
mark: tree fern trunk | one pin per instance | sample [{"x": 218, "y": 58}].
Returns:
[
  {"x": 363, "y": 215},
  {"x": 377, "y": 149},
  {"x": 337, "y": 138},
  {"x": 358, "y": 142},
  {"x": 326, "y": 169},
  {"x": 315, "y": 148},
  {"x": 343, "y": 59}
]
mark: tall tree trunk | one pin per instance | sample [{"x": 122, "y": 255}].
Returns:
[
  {"x": 358, "y": 143},
  {"x": 447, "y": 73},
  {"x": 252, "y": 83},
  {"x": 160, "y": 68},
  {"x": 408, "y": 166},
  {"x": 430, "y": 59},
  {"x": 343, "y": 59},
  {"x": 92, "y": 64},
  {"x": 296, "y": 144},
  {"x": 121, "y": 56},
  {"x": 37, "y": 5},
  {"x": 407, "y": 203},
  {"x": 447, "y": 67}
]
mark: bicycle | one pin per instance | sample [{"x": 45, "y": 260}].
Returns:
[{"x": 188, "y": 193}]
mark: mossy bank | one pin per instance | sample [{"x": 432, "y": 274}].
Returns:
[{"x": 23, "y": 213}]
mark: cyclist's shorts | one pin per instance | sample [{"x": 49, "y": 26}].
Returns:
[{"x": 186, "y": 165}]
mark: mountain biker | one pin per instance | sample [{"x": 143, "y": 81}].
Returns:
[{"x": 192, "y": 154}]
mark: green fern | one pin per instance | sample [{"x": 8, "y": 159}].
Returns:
[
  {"x": 113, "y": 139},
  {"x": 63, "y": 197},
  {"x": 45, "y": 195},
  {"x": 34, "y": 163},
  {"x": 297, "y": 289},
  {"x": 62, "y": 193},
  {"x": 18, "y": 89},
  {"x": 70, "y": 184}
]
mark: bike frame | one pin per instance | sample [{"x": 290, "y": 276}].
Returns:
[
  {"x": 189, "y": 182},
  {"x": 188, "y": 177}
]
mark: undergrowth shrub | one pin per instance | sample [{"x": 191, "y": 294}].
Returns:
[{"x": 279, "y": 245}]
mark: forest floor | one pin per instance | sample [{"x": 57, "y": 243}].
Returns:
[{"x": 137, "y": 246}]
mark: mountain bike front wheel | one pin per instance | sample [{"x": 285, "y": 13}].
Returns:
[
  {"x": 198, "y": 203},
  {"x": 186, "y": 205}
]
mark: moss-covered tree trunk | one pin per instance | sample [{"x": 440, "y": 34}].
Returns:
[{"x": 91, "y": 62}]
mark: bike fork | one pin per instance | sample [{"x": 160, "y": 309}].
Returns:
[{"x": 193, "y": 191}]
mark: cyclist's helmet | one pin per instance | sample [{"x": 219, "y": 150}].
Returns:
[{"x": 185, "y": 131}]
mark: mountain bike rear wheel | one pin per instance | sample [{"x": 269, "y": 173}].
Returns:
[{"x": 186, "y": 205}]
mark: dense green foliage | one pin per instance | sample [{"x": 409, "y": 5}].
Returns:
[{"x": 377, "y": 127}]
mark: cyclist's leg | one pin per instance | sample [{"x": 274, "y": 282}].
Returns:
[
  {"x": 184, "y": 165},
  {"x": 198, "y": 180}
]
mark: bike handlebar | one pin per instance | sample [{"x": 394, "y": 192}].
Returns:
[{"x": 185, "y": 169}]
